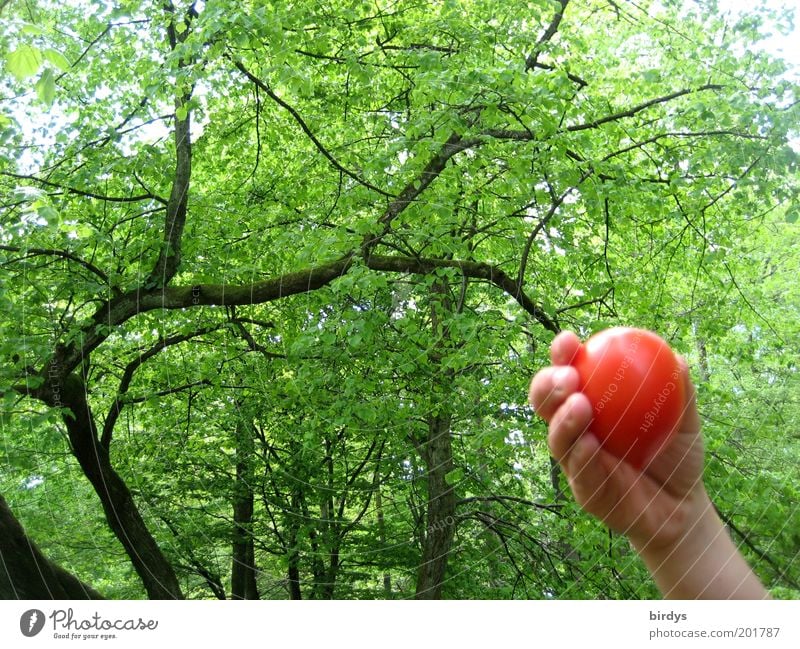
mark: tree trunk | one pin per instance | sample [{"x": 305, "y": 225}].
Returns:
[
  {"x": 437, "y": 454},
  {"x": 123, "y": 516},
  {"x": 243, "y": 569},
  {"x": 293, "y": 571},
  {"x": 329, "y": 585},
  {"x": 702, "y": 353},
  {"x": 387, "y": 578},
  {"x": 326, "y": 568},
  {"x": 25, "y": 573},
  {"x": 293, "y": 574},
  {"x": 440, "y": 512}
]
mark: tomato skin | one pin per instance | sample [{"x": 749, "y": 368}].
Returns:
[{"x": 633, "y": 382}]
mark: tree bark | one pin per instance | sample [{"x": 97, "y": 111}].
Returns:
[
  {"x": 293, "y": 557},
  {"x": 387, "y": 577},
  {"x": 329, "y": 529},
  {"x": 293, "y": 574},
  {"x": 123, "y": 516},
  {"x": 702, "y": 353},
  {"x": 437, "y": 453},
  {"x": 25, "y": 573},
  {"x": 440, "y": 512},
  {"x": 243, "y": 569}
]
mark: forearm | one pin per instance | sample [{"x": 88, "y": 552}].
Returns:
[{"x": 702, "y": 563}]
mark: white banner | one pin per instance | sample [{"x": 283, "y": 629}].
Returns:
[{"x": 389, "y": 625}]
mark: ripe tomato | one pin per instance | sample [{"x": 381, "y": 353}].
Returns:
[{"x": 633, "y": 381}]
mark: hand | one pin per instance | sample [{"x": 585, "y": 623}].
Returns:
[
  {"x": 650, "y": 506},
  {"x": 663, "y": 508}
]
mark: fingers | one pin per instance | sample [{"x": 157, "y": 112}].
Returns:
[
  {"x": 564, "y": 347},
  {"x": 585, "y": 464},
  {"x": 569, "y": 422},
  {"x": 587, "y": 469},
  {"x": 550, "y": 387},
  {"x": 555, "y": 397}
]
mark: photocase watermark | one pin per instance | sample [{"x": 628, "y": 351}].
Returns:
[
  {"x": 67, "y": 626},
  {"x": 31, "y": 622}
]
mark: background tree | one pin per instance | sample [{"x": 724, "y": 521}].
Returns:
[{"x": 275, "y": 279}]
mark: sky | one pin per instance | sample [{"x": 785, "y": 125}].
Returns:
[{"x": 785, "y": 46}]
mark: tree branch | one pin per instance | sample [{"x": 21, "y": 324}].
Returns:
[
  {"x": 522, "y": 501},
  {"x": 548, "y": 34},
  {"x": 168, "y": 391},
  {"x": 583, "y": 303},
  {"x": 435, "y": 166},
  {"x": 298, "y": 118},
  {"x": 555, "y": 204},
  {"x": 630, "y": 112},
  {"x": 169, "y": 258},
  {"x": 661, "y": 136},
  {"x": 251, "y": 342},
  {"x": 478, "y": 270},
  {"x": 82, "y": 192},
  {"x": 127, "y": 377},
  {"x": 783, "y": 572},
  {"x": 581, "y": 83},
  {"x": 122, "y": 308},
  {"x": 526, "y": 135},
  {"x": 65, "y": 254}
]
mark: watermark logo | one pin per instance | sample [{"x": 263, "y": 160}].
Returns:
[
  {"x": 31, "y": 622},
  {"x": 67, "y": 626}
]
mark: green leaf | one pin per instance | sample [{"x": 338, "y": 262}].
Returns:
[
  {"x": 181, "y": 112},
  {"x": 57, "y": 59},
  {"x": 48, "y": 213},
  {"x": 455, "y": 476},
  {"x": 24, "y": 62},
  {"x": 30, "y": 28},
  {"x": 33, "y": 381},
  {"x": 792, "y": 214},
  {"x": 46, "y": 87}
]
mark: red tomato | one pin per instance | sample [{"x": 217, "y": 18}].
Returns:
[{"x": 633, "y": 381}]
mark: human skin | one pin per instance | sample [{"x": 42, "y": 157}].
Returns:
[{"x": 663, "y": 508}]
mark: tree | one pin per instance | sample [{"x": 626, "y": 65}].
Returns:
[{"x": 275, "y": 278}]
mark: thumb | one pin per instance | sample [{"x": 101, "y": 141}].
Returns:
[{"x": 690, "y": 420}]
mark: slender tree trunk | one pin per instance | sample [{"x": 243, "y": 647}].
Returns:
[
  {"x": 555, "y": 481},
  {"x": 123, "y": 516},
  {"x": 329, "y": 586},
  {"x": 387, "y": 578},
  {"x": 702, "y": 353},
  {"x": 326, "y": 572},
  {"x": 243, "y": 569},
  {"x": 440, "y": 512},
  {"x": 438, "y": 457},
  {"x": 294, "y": 578},
  {"x": 293, "y": 570}
]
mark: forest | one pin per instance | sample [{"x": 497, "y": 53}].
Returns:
[{"x": 275, "y": 277}]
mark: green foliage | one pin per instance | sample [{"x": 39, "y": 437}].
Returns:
[{"x": 626, "y": 170}]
